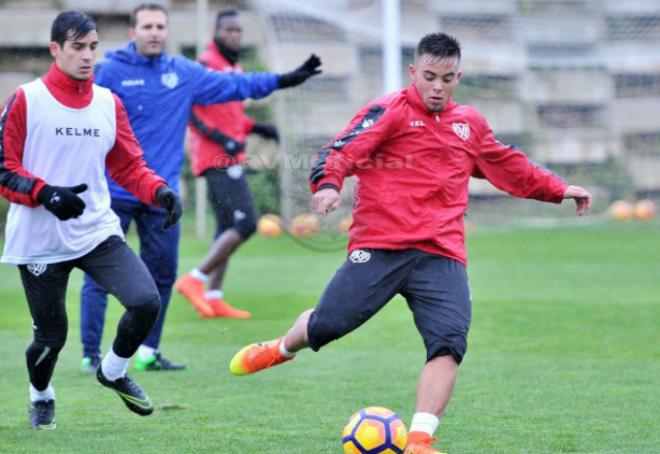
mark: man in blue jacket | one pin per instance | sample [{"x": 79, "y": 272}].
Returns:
[{"x": 158, "y": 91}]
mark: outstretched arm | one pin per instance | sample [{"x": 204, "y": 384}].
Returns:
[
  {"x": 509, "y": 169},
  {"x": 302, "y": 73},
  {"x": 350, "y": 149},
  {"x": 581, "y": 196},
  {"x": 213, "y": 87}
]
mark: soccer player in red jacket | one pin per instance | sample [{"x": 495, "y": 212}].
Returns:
[
  {"x": 412, "y": 153},
  {"x": 218, "y": 133},
  {"x": 58, "y": 135}
]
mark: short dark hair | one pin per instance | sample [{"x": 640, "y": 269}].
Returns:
[
  {"x": 439, "y": 45},
  {"x": 223, "y": 15},
  {"x": 145, "y": 6},
  {"x": 71, "y": 25}
]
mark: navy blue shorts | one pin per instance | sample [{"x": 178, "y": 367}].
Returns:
[
  {"x": 231, "y": 199},
  {"x": 435, "y": 288}
]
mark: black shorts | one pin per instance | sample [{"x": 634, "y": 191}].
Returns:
[
  {"x": 112, "y": 264},
  {"x": 231, "y": 199},
  {"x": 435, "y": 288}
]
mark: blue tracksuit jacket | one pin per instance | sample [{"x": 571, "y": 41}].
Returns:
[{"x": 158, "y": 93}]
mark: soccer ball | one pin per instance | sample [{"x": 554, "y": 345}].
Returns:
[
  {"x": 269, "y": 225},
  {"x": 375, "y": 430},
  {"x": 305, "y": 225},
  {"x": 645, "y": 210},
  {"x": 621, "y": 210},
  {"x": 344, "y": 224}
]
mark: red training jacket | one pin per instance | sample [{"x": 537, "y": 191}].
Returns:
[
  {"x": 413, "y": 167},
  {"x": 124, "y": 162},
  {"x": 229, "y": 118}
]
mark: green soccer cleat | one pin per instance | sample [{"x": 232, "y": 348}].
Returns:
[
  {"x": 90, "y": 364},
  {"x": 157, "y": 362},
  {"x": 130, "y": 393},
  {"x": 42, "y": 414}
]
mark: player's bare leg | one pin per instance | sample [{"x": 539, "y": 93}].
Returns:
[
  {"x": 217, "y": 276},
  {"x": 296, "y": 338},
  {"x": 221, "y": 249},
  {"x": 211, "y": 272},
  {"x": 434, "y": 389},
  {"x": 436, "y": 384}
]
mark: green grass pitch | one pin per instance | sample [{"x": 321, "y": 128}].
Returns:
[{"x": 564, "y": 356}]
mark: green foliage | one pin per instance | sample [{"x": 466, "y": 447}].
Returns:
[
  {"x": 4, "y": 208},
  {"x": 563, "y": 356},
  {"x": 261, "y": 112},
  {"x": 250, "y": 60},
  {"x": 265, "y": 187}
]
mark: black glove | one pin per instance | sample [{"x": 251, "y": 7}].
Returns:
[
  {"x": 62, "y": 201},
  {"x": 170, "y": 202},
  {"x": 266, "y": 131},
  {"x": 301, "y": 74}
]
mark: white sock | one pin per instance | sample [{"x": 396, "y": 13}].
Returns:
[
  {"x": 424, "y": 422},
  {"x": 46, "y": 394},
  {"x": 284, "y": 351},
  {"x": 113, "y": 366},
  {"x": 144, "y": 352},
  {"x": 214, "y": 294},
  {"x": 198, "y": 275}
]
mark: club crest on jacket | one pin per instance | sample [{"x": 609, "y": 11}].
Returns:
[
  {"x": 170, "y": 80},
  {"x": 462, "y": 130}
]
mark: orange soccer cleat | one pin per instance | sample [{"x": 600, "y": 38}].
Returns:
[
  {"x": 420, "y": 443},
  {"x": 256, "y": 357},
  {"x": 222, "y": 308},
  {"x": 193, "y": 291}
]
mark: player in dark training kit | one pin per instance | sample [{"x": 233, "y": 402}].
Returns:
[
  {"x": 412, "y": 152},
  {"x": 218, "y": 134},
  {"x": 58, "y": 135}
]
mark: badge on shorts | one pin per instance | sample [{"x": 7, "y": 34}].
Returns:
[
  {"x": 235, "y": 171},
  {"x": 359, "y": 256},
  {"x": 36, "y": 268},
  {"x": 239, "y": 215}
]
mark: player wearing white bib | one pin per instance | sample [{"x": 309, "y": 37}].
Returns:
[{"x": 58, "y": 136}]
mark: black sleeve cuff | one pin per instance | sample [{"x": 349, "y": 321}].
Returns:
[{"x": 327, "y": 186}]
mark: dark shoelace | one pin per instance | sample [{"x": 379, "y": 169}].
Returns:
[
  {"x": 44, "y": 412},
  {"x": 132, "y": 386},
  {"x": 164, "y": 363}
]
